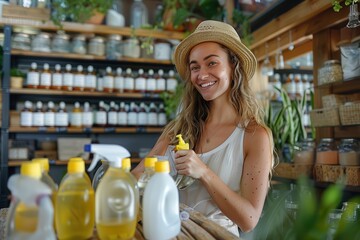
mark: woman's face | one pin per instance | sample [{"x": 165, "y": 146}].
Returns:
[{"x": 210, "y": 70}]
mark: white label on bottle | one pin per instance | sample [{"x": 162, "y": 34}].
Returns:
[
  {"x": 152, "y": 119},
  {"x": 90, "y": 81},
  {"x": 122, "y": 118},
  {"x": 171, "y": 84},
  {"x": 45, "y": 79},
  {"x": 49, "y": 119},
  {"x": 38, "y": 119},
  {"x": 160, "y": 84},
  {"x": 151, "y": 85},
  {"x": 33, "y": 78},
  {"x": 61, "y": 119},
  {"x": 142, "y": 118},
  {"x": 112, "y": 118},
  {"x": 87, "y": 119},
  {"x": 162, "y": 119},
  {"x": 119, "y": 84},
  {"x": 76, "y": 119},
  {"x": 26, "y": 119},
  {"x": 79, "y": 80},
  {"x": 57, "y": 79},
  {"x": 140, "y": 84},
  {"x": 129, "y": 83},
  {"x": 68, "y": 79},
  {"x": 108, "y": 82},
  {"x": 132, "y": 118},
  {"x": 100, "y": 118}
]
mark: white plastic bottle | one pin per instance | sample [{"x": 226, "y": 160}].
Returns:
[
  {"x": 161, "y": 218},
  {"x": 26, "y": 115},
  {"x": 149, "y": 171}
]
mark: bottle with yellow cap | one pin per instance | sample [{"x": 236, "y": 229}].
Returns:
[
  {"x": 117, "y": 202},
  {"x": 31, "y": 211},
  {"x": 45, "y": 177},
  {"x": 160, "y": 213},
  {"x": 75, "y": 203},
  {"x": 182, "y": 181},
  {"x": 149, "y": 171}
]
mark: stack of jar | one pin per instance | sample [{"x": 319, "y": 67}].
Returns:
[
  {"x": 130, "y": 81},
  {"x": 113, "y": 115}
]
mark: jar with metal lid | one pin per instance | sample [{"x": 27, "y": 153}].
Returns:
[
  {"x": 304, "y": 152},
  {"x": 327, "y": 152},
  {"x": 113, "y": 47},
  {"x": 61, "y": 42},
  {"x": 21, "y": 41},
  {"x": 330, "y": 72},
  {"x": 131, "y": 48},
  {"x": 41, "y": 42},
  {"x": 97, "y": 46},
  {"x": 79, "y": 44},
  {"x": 349, "y": 152}
]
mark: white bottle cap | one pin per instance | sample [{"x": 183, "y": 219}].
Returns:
[
  {"x": 34, "y": 65},
  {"x": 57, "y": 67},
  {"x": 46, "y": 66},
  {"x": 80, "y": 68},
  {"x": 68, "y": 67},
  {"x": 90, "y": 68}
]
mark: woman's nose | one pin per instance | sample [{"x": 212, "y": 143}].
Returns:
[{"x": 203, "y": 75}]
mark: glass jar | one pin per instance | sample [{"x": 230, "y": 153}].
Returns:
[
  {"x": 41, "y": 42},
  {"x": 97, "y": 46},
  {"x": 79, "y": 44},
  {"x": 21, "y": 41},
  {"x": 113, "y": 47},
  {"x": 131, "y": 48},
  {"x": 349, "y": 152},
  {"x": 60, "y": 43},
  {"x": 327, "y": 152},
  {"x": 304, "y": 152},
  {"x": 330, "y": 72}
]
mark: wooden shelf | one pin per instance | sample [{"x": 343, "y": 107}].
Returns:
[
  {"x": 350, "y": 86},
  {"x": 92, "y": 29},
  {"x": 17, "y": 129},
  {"x": 16, "y": 52}
]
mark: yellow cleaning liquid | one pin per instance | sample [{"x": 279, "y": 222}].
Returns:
[
  {"x": 112, "y": 230},
  {"x": 26, "y": 218}
]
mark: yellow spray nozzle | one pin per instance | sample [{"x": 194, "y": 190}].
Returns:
[{"x": 181, "y": 145}]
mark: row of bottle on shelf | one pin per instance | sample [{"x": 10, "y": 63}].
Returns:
[
  {"x": 294, "y": 84},
  {"x": 108, "y": 81},
  {"x": 113, "y": 115}
]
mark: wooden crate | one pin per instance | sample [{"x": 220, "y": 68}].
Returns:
[{"x": 293, "y": 171}]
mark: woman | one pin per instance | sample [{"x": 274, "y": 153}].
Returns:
[{"x": 231, "y": 152}]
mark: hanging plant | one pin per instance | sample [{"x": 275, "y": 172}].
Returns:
[{"x": 337, "y": 4}]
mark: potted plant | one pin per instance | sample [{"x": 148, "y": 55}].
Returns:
[
  {"x": 16, "y": 78},
  {"x": 80, "y": 10}
]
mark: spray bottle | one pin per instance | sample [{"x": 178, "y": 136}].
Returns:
[
  {"x": 161, "y": 218},
  {"x": 31, "y": 212},
  {"x": 182, "y": 181},
  {"x": 117, "y": 198}
]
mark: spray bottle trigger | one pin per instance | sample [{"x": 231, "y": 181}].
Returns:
[{"x": 95, "y": 160}]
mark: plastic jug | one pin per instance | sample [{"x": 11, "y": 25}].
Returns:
[
  {"x": 31, "y": 211},
  {"x": 161, "y": 218},
  {"x": 75, "y": 203},
  {"x": 149, "y": 171}
]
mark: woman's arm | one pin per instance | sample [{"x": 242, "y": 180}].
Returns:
[{"x": 245, "y": 208}]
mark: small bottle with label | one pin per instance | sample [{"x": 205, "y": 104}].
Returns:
[
  {"x": 160, "y": 82},
  {"x": 122, "y": 115},
  {"x": 140, "y": 82},
  {"x": 119, "y": 81},
  {"x": 132, "y": 115},
  {"x": 142, "y": 115},
  {"x": 79, "y": 79},
  {"x": 87, "y": 116},
  {"x": 26, "y": 115},
  {"x": 152, "y": 117},
  {"x": 112, "y": 115},
  {"x": 61, "y": 116},
  {"x": 76, "y": 116},
  {"x": 90, "y": 80},
  {"x": 38, "y": 115},
  {"x": 68, "y": 80},
  {"x": 49, "y": 115},
  {"x": 151, "y": 82},
  {"x": 108, "y": 81},
  {"x": 162, "y": 115},
  {"x": 45, "y": 77},
  {"x": 171, "y": 82},
  {"x": 129, "y": 82},
  {"x": 33, "y": 77},
  {"x": 57, "y": 78},
  {"x": 101, "y": 115}
]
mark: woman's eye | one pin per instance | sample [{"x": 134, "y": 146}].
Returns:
[
  {"x": 194, "y": 68},
  {"x": 212, "y": 63}
]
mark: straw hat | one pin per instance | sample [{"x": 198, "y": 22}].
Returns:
[{"x": 214, "y": 31}]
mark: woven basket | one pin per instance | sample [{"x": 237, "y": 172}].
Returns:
[
  {"x": 293, "y": 171},
  {"x": 352, "y": 176},
  {"x": 332, "y": 100},
  {"x": 350, "y": 114},
  {"x": 328, "y": 173},
  {"x": 325, "y": 117}
]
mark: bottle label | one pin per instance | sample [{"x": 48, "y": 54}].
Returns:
[
  {"x": 26, "y": 119},
  {"x": 68, "y": 79},
  {"x": 100, "y": 118},
  {"x": 33, "y": 78},
  {"x": 87, "y": 119},
  {"x": 112, "y": 118},
  {"x": 129, "y": 84},
  {"x": 49, "y": 120},
  {"x": 162, "y": 119},
  {"x": 61, "y": 119},
  {"x": 57, "y": 79},
  {"x": 122, "y": 118},
  {"x": 76, "y": 119},
  {"x": 142, "y": 118},
  {"x": 171, "y": 85},
  {"x": 140, "y": 84},
  {"x": 79, "y": 80},
  {"x": 90, "y": 81},
  {"x": 45, "y": 79},
  {"x": 38, "y": 119},
  {"x": 108, "y": 82},
  {"x": 152, "y": 119},
  {"x": 132, "y": 118},
  {"x": 160, "y": 84},
  {"x": 119, "y": 84},
  {"x": 151, "y": 85}
]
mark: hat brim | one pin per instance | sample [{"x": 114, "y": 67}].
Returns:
[{"x": 182, "y": 51}]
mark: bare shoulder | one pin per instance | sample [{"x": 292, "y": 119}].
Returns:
[{"x": 257, "y": 140}]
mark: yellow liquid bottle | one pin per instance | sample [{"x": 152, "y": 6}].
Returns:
[{"x": 75, "y": 204}]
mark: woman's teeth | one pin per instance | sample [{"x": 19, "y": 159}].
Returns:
[{"x": 207, "y": 84}]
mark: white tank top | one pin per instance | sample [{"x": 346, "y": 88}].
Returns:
[{"x": 226, "y": 161}]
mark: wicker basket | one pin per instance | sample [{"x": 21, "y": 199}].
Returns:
[
  {"x": 293, "y": 171},
  {"x": 332, "y": 100},
  {"x": 352, "y": 176},
  {"x": 350, "y": 113},
  {"x": 328, "y": 173},
  {"x": 325, "y": 117}
]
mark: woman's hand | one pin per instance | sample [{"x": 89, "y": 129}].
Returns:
[{"x": 188, "y": 163}]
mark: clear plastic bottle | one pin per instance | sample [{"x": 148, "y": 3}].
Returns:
[
  {"x": 38, "y": 115},
  {"x": 139, "y": 14},
  {"x": 45, "y": 77},
  {"x": 33, "y": 76},
  {"x": 26, "y": 115},
  {"x": 75, "y": 203},
  {"x": 76, "y": 116},
  {"x": 149, "y": 171},
  {"x": 49, "y": 115},
  {"x": 57, "y": 78},
  {"x": 160, "y": 212}
]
